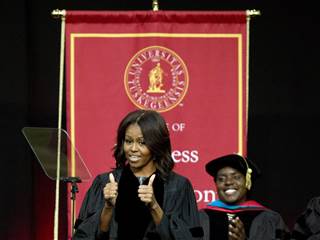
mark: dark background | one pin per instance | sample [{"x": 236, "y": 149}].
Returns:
[{"x": 283, "y": 103}]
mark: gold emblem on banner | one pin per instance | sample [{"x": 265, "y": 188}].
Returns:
[{"x": 156, "y": 78}]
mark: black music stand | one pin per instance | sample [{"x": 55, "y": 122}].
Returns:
[{"x": 53, "y": 148}]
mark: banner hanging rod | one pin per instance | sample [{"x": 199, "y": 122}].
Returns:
[{"x": 62, "y": 13}]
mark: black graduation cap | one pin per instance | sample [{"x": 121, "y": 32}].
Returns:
[{"x": 236, "y": 161}]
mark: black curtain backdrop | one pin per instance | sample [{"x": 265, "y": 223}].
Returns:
[{"x": 283, "y": 102}]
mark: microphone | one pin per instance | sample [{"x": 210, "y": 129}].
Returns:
[{"x": 141, "y": 179}]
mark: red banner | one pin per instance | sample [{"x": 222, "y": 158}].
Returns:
[{"x": 190, "y": 66}]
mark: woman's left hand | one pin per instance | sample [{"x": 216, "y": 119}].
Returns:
[{"x": 145, "y": 193}]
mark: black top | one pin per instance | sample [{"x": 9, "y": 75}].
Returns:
[
  {"x": 259, "y": 225},
  {"x": 132, "y": 215},
  {"x": 219, "y": 229}
]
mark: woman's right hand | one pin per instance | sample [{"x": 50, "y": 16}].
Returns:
[
  {"x": 110, "y": 192},
  {"x": 236, "y": 229}
]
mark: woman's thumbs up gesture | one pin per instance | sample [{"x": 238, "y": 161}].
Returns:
[
  {"x": 110, "y": 192},
  {"x": 145, "y": 192}
]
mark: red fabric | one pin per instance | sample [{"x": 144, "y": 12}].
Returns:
[
  {"x": 158, "y": 16},
  {"x": 203, "y": 97}
]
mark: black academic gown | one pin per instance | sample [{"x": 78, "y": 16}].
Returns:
[
  {"x": 180, "y": 219},
  {"x": 263, "y": 224},
  {"x": 307, "y": 226}
]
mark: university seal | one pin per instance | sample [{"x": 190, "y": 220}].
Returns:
[{"x": 156, "y": 78}]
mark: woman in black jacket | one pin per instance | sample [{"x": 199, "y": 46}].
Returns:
[{"x": 142, "y": 198}]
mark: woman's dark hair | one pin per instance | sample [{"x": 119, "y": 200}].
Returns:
[{"x": 156, "y": 137}]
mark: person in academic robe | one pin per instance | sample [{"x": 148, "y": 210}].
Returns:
[
  {"x": 307, "y": 225},
  {"x": 142, "y": 198},
  {"x": 235, "y": 216}
]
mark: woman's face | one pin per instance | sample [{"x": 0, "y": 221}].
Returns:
[
  {"x": 137, "y": 153},
  {"x": 231, "y": 185}
]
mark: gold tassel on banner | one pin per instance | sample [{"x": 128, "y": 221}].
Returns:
[{"x": 155, "y": 5}]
